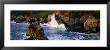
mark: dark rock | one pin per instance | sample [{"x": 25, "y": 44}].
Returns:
[{"x": 36, "y": 32}]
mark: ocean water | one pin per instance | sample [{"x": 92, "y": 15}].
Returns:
[
  {"x": 60, "y": 34},
  {"x": 18, "y": 32}
]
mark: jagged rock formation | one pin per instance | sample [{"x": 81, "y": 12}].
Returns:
[{"x": 35, "y": 33}]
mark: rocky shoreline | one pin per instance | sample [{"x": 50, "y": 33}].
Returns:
[{"x": 87, "y": 23}]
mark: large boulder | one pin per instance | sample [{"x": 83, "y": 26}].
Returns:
[
  {"x": 36, "y": 32},
  {"x": 91, "y": 24}
]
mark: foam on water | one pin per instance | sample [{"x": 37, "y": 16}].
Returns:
[
  {"x": 53, "y": 22},
  {"x": 13, "y": 21},
  {"x": 57, "y": 34},
  {"x": 18, "y": 31},
  {"x": 53, "y": 31}
]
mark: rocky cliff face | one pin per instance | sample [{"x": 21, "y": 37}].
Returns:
[
  {"x": 83, "y": 24},
  {"x": 91, "y": 24}
]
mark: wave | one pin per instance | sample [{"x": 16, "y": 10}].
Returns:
[
  {"x": 53, "y": 33},
  {"x": 18, "y": 32}
]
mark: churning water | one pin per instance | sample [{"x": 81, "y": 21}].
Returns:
[{"x": 52, "y": 31}]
